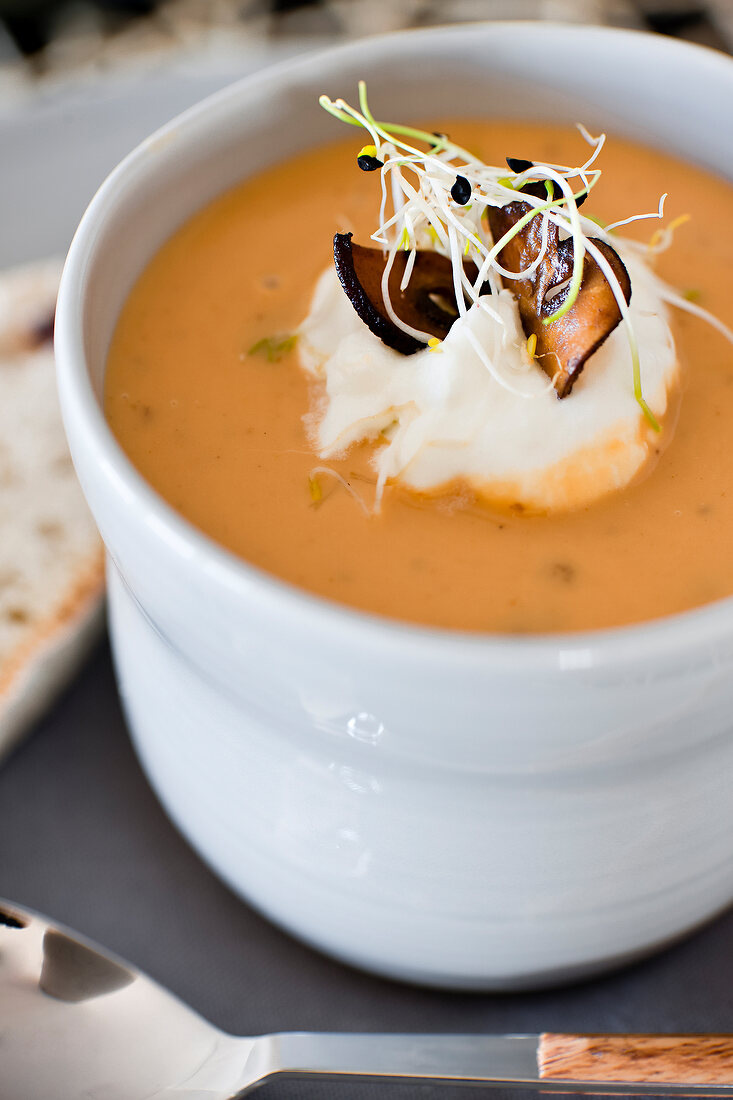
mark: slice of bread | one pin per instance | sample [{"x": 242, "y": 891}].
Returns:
[{"x": 51, "y": 560}]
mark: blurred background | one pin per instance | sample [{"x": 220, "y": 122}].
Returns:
[
  {"x": 43, "y": 37},
  {"x": 84, "y": 81}
]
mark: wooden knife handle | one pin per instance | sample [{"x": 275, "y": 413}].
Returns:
[{"x": 668, "y": 1059}]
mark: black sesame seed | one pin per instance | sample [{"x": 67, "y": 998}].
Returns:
[
  {"x": 461, "y": 190},
  {"x": 518, "y": 165},
  {"x": 369, "y": 164}
]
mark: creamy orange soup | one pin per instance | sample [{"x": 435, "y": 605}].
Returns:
[{"x": 218, "y": 429}]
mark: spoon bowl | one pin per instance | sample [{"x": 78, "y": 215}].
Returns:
[{"x": 74, "y": 1022}]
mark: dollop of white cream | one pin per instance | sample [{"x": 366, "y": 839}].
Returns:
[{"x": 444, "y": 416}]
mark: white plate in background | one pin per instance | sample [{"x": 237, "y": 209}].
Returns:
[{"x": 59, "y": 143}]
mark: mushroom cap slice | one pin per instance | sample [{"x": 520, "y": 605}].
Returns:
[
  {"x": 564, "y": 346},
  {"x": 428, "y": 302}
]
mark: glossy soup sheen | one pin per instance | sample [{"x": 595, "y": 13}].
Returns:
[{"x": 218, "y": 430}]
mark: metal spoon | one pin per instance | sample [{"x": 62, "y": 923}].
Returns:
[{"x": 78, "y": 1024}]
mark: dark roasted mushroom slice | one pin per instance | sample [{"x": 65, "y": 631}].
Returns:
[
  {"x": 564, "y": 346},
  {"x": 428, "y": 302}
]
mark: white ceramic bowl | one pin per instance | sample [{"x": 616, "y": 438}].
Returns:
[{"x": 479, "y": 812}]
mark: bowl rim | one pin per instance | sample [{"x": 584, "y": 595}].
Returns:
[{"x": 666, "y": 636}]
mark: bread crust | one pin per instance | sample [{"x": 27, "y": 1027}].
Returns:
[{"x": 51, "y": 595}]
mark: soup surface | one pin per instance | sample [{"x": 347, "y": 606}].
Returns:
[{"x": 215, "y": 422}]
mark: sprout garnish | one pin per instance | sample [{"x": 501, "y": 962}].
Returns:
[
  {"x": 440, "y": 196},
  {"x": 316, "y": 490},
  {"x": 274, "y": 347}
]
